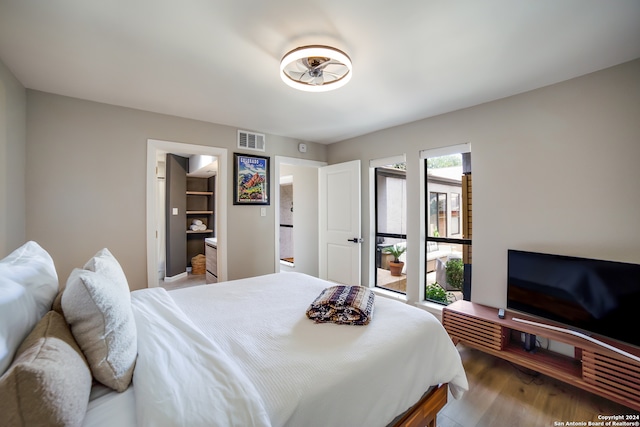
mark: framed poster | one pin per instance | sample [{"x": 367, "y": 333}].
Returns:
[{"x": 251, "y": 180}]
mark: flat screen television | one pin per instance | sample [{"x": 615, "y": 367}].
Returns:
[{"x": 587, "y": 295}]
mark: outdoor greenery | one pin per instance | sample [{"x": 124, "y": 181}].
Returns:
[
  {"x": 455, "y": 273},
  {"x": 435, "y": 292},
  {"x": 444, "y": 161},
  {"x": 395, "y": 250}
]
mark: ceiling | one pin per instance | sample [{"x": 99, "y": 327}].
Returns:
[{"x": 218, "y": 61}]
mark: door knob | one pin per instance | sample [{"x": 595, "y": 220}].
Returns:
[{"x": 355, "y": 240}]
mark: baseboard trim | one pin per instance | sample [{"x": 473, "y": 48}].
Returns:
[{"x": 176, "y": 277}]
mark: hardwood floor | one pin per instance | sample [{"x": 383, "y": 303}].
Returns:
[{"x": 504, "y": 394}]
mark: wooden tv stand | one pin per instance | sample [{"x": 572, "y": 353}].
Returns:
[{"x": 593, "y": 368}]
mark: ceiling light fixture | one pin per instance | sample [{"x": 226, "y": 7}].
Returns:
[{"x": 316, "y": 68}]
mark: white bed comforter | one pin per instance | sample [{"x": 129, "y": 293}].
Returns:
[
  {"x": 181, "y": 377},
  {"x": 243, "y": 352},
  {"x": 324, "y": 374}
]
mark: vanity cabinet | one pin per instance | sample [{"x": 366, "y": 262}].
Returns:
[{"x": 211, "y": 253}]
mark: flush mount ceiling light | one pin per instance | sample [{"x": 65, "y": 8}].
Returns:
[{"x": 315, "y": 68}]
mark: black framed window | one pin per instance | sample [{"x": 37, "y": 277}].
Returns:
[
  {"x": 390, "y": 225},
  {"x": 437, "y": 214},
  {"x": 448, "y": 248}
]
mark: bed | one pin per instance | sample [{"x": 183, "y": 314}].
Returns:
[{"x": 241, "y": 352}]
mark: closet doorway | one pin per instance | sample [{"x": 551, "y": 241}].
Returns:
[{"x": 156, "y": 151}]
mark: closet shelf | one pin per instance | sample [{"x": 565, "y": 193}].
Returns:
[
  {"x": 199, "y": 212},
  {"x": 199, "y": 193},
  {"x": 199, "y": 231}
]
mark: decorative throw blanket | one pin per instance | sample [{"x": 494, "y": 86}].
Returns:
[{"x": 350, "y": 305}]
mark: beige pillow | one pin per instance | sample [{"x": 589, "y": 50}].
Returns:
[
  {"x": 57, "y": 302},
  {"x": 49, "y": 382},
  {"x": 97, "y": 306}
]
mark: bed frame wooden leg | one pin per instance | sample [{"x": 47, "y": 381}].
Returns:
[{"x": 424, "y": 413}]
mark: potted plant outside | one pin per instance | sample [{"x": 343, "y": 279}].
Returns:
[{"x": 395, "y": 266}]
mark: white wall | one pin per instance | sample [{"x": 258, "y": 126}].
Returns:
[
  {"x": 13, "y": 111},
  {"x": 554, "y": 170}
]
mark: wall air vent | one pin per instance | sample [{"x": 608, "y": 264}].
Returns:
[{"x": 251, "y": 140}]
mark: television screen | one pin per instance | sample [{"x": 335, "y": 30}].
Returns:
[{"x": 589, "y": 295}]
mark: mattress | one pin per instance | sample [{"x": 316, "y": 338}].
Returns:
[{"x": 303, "y": 373}]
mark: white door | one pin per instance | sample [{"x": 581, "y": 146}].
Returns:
[{"x": 340, "y": 231}]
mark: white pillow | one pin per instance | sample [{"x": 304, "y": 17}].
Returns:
[
  {"x": 97, "y": 306},
  {"x": 106, "y": 264},
  {"x": 28, "y": 285}
]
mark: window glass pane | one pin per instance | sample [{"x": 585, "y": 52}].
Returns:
[
  {"x": 442, "y": 215},
  {"x": 389, "y": 274},
  {"x": 433, "y": 215},
  {"x": 392, "y": 204},
  {"x": 391, "y": 227},
  {"x": 445, "y": 272},
  {"x": 438, "y": 215},
  {"x": 455, "y": 213},
  {"x": 447, "y": 249}
]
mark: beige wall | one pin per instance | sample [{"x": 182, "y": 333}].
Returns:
[
  {"x": 86, "y": 184},
  {"x": 554, "y": 170},
  {"x": 13, "y": 104}
]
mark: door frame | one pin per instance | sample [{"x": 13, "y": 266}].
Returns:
[
  {"x": 278, "y": 161},
  {"x": 154, "y": 147}
]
